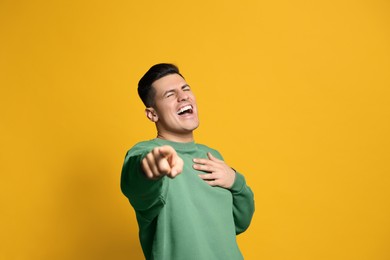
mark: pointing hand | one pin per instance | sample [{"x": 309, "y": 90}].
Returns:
[{"x": 162, "y": 161}]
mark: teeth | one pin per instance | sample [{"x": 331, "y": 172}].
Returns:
[{"x": 184, "y": 109}]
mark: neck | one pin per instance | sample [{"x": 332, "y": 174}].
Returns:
[{"x": 180, "y": 138}]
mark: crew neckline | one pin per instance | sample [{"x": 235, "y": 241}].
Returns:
[{"x": 178, "y": 146}]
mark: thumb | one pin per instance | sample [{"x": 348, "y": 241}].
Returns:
[{"x": 212, "y": 158}]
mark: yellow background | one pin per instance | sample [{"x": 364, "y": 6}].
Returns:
[{"x": 294, "y": 94}]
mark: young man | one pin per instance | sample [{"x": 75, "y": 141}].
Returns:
[{"x": 189, "y": 204}]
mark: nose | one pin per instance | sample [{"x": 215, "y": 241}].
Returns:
[{"x": 183, "y": 96}]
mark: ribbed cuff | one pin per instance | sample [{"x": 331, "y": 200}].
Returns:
[{"x": 238, "y": 184}]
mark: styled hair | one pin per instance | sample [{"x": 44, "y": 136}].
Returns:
[{"x": 145, "y": 89}]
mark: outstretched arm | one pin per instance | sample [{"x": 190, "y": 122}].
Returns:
[{"x": 142, "y": 177}]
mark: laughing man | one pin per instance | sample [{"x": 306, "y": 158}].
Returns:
[{"x": 189, "y": 203}]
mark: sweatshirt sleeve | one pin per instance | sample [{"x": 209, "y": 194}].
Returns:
[
  {"x": 145, "y": 195},
  {"x": 243, "y": 203}
]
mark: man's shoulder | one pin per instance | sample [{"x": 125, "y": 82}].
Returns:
[
  {"x": 145, "y": 143},
  {"x": 141, "y": 147}
]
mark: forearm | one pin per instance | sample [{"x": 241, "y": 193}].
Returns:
[
  {"x": 145, "y": 195},
  {"x": 243, "y": 203}
]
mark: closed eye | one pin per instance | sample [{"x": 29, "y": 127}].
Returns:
[
  {"x": 186, "y": 88},
  {"x": 169, "y": 93}
]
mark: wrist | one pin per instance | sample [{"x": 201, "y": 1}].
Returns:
[
  {"x": 238, "y": 184},
  {"x": 233, "y": 173}
]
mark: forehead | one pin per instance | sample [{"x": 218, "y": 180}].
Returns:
[{"x": 169, "y": 82}]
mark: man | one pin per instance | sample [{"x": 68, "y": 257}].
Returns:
[{"x": 189, "y": 204}]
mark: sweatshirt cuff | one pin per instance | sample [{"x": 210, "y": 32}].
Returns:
[{"x": 238, "y": 184}]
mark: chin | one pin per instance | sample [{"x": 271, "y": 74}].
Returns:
[{"x": 194, "y": 126}]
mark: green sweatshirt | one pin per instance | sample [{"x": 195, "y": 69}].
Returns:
[{"x": 185, "y": 218}]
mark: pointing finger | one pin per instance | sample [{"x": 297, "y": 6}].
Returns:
[
  {"x": 163, "y": 166},
  {"x": 166, "y": 151}
]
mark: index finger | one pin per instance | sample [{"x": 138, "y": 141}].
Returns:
[{"x": 166, "y": 151}]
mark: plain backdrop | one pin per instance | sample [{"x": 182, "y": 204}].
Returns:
[{"x": 294, "y": 94}]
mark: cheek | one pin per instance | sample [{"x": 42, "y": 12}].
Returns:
[
  {"x": 193, "y": 97},
  {"x": 165, "y": 111}
]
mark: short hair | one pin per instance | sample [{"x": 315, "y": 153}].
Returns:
[{"x": 145, "y": 89}]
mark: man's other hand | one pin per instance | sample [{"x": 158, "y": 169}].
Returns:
[{"x": 218, "y": 172}]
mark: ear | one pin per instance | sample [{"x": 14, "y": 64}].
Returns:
[{"x": 151, "y": 114}]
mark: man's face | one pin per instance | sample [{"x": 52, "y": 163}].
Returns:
[{"x": 175, "y": 111}]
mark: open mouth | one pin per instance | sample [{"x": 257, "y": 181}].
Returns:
[{"x": 185, "y": 110}]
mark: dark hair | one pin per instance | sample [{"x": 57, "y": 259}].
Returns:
[{"x": 145, "y": 90}]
